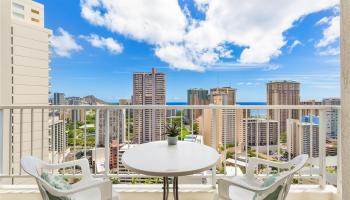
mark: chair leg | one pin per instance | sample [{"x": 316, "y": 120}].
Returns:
[{"x": 165, "y": 188}]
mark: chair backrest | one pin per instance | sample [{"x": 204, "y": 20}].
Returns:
[
  {"x": 285, "y": 179},
  {"x": 31, "y": 165}
]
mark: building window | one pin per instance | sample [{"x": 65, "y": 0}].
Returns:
[
  {"x": 35, "y": 20},
  {"x": 35, "y": 11},
  {"x": 18, "y": 6},
  {"x": 18, "y": 15}
]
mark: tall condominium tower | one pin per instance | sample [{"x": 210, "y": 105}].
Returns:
[
  {"x": 116, "y": 123},
  {"x": 24, "y": 80},
  {"x": 227, "y": 128},
  {"x": 196, "y": 96},
  {"x": 228, "y": 91},
  {"x": 59, "y": 99},
  {"x": 310, "y": 111},
  {"x": 303, "y": 137},
  {"x": 149, "y": 89},
  {"x": 283, "y": 93},
  {"x": 259, "y": 131},
  {"x": 332, "y": 117}
]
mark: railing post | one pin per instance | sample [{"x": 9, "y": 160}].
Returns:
[
  {"x": 213, "y": 144},
  {"x": 123, "y": 128},
  {"x": 106, "y": 143},
  {"x": 322, "y": 144}
]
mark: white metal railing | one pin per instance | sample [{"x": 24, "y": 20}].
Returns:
[{"x": 103, "y": 133}]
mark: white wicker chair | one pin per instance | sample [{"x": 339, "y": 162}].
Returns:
[
  {"x": 249, "y": 187},
  {"x": 87, "y": 188}
]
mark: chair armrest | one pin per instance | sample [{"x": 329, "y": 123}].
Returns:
[
  {"x": 83, "y": 163},
  {"x": 230, "y": 182},
  {"x": 254, "y": 162},
  {"x": 268, "y": 163}
]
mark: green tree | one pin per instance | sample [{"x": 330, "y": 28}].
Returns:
[
  {"x": 184, "y": 133},
  {"x": 283, "y": 137},
  {"x": 195, "y": 128}
]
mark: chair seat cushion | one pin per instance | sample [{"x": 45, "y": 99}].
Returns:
[{"x": 57, "y": 182}]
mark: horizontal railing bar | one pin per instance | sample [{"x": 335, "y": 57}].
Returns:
[
  {"x": 146, "y": 176},
  {"x": 238, "y": 107}
]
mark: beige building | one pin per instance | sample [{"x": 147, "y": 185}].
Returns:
[
  {"x": 302, "y": 138},
  {"x": 230, "y": 92},
  {"x": 149, "y": 89},
  {"x": 116, "y": 127},
  {"x": 310, "y": 111},
  {"x": 223, "y": 122},
  {"x": 283, "y": 93},
  {"x": 24, "y": 80}
]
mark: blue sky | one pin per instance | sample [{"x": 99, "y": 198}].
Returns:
[{"x": 98, "y": 44}]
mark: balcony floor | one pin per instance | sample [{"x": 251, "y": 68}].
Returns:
[{"x": 187, "y": 192}]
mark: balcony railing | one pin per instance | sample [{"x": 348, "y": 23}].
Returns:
[{"x": 103, "y": 133}]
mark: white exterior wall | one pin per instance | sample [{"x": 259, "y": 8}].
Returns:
[{"x": 24, "y": 80}]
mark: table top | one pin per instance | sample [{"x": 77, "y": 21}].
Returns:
[{"x": 161, "y": 159}]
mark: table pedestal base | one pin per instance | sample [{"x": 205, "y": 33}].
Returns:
[{"x": 166, "y": 188}]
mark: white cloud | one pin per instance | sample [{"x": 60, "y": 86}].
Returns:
[
  {"x": 154, "y": 21},
  {"x": 63, "y": 44},
  {"x": 187, "y": 43},
  {"x": 108, "y": 43},
  {"x": 323, "y": 20},
  {"x": 331, "y": 32},
  {"x": 293, "y": 45},
  {"x": 332, "y": 51}
]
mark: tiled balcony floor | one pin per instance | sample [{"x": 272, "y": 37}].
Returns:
[{"x": 187, "y": 192}]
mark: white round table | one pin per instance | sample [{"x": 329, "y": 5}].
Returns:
[{"x": 161, "y": 159}]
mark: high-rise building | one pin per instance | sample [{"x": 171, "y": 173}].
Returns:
[
  {"x": 116, "y": 126},
  {"x": 332, "y": 116},
  {"x": 310, "y": 111},
  {"x": 57, "y": 140},
  {"x": 230, "y": 94},
  {"x": 114, "y": 157},
  {"x": 75, "y": 114},
  {"x": 283, "y": 93},
  {"x": 24, "y": 79},
  {"x": 59, "y": 99},
  {"x": 303, "y": 136},
  {"x": 149, "y": 89},
  {"x": 259, "y": 131},
  {"x": 227, "y": 127},
  {"x": 196, "y": 96}
]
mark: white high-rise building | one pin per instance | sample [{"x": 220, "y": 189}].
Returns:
[
  {"x": 303, "y": 137},
  {"x": 332, "y": 116},
  {"x": 24, "y": 80}
]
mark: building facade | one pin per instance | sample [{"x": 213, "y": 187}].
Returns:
[
  {"x": 59, "y": 99},
  {"x": 258, "y": 131},
  {"x": 332, "y": 117},
  {"x": 149, "y": 89},
  {"x": 303, "y": 136},
  {"x": 196, "y": 96},
  {"x": 116, "y": 127},
  {"x": 310, "y": 111},
  {"x": 283, "y": 93},
  {"x": 223, "y": 122},
  {"x": 57, "y": 139},
  {"x": 24, "y": 79}
]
